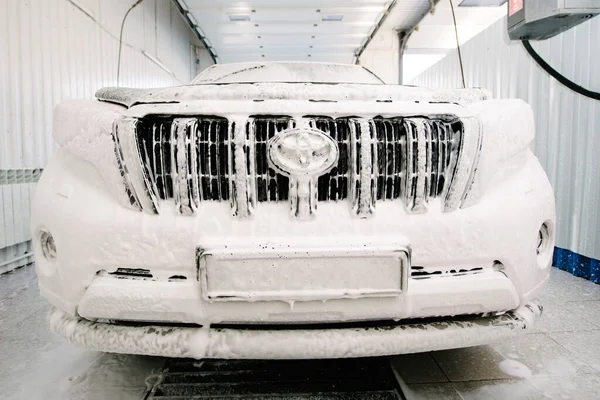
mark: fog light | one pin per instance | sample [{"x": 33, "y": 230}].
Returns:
[
  {"x": 543, "y": 239},
  {"x": 48, "y": 245}
]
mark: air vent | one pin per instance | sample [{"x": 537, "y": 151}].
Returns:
[{"x": 132, "y": 273}]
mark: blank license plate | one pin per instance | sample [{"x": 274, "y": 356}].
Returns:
[{"x": 302, "y": 274}]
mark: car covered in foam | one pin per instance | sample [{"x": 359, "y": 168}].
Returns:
[{"x": 292, "y": 210}]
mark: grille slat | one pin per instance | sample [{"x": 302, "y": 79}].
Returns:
[
  {"x": 435, "y": 166},
  {"x": 364, "y": 155},
  {"x": 164, "y": 150},
  {"x": 271, "y": 187},
  {"x": 407, "y": 159},
  {"x": 332, "y": 185},
  {"x": 183, "y": 132},
  {"x": 217, "y": 163}
]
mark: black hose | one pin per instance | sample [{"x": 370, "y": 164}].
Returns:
[
  {"x": 121, "y": 39},
  {"x": 462, "y": 70},
  {"x": 557, "y": 75}
]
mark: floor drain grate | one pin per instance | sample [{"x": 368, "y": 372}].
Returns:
[{"x": 348, "y": 379}]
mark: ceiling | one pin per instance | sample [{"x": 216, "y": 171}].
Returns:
[
  {"x": 435, "y": 36},
  {"x": 332, "y": 30},
  {"x": 436, "y": 31},
  {"x": 305, "y": 30}
]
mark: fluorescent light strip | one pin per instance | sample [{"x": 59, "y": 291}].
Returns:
[
  {"x": 237, "y": 18},
  {"x": 332, "y": 18},
  {"x": 184, "y": 10},
  {"x": 192, "y": 18}
]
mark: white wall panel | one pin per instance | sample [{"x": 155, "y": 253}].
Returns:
[
  {"x": 51, "y": 50},
  {"x": 568, "y": 124},
  {"x": 15, "y": 202},
  {"x": 382, "y": 56}
]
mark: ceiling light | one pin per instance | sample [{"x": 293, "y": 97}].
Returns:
[
  {"x": 238, "y": 18},
  {"x": 481, "y": 3},
  {"x": 192, "y": 19},
  {"x": 337, "y": 17}
]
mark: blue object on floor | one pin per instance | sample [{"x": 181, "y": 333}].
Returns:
[{"x": 577, "y": 264}]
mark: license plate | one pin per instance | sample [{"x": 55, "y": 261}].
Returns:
[{"x": 302, "y": 274}]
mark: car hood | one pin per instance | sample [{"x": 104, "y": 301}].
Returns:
[{"x": 315, "y": 92}]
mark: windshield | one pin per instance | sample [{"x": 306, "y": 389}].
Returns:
[{"x": 290, "y": 72}]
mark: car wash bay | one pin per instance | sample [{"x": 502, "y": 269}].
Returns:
[{"x": 59, "y": 49}]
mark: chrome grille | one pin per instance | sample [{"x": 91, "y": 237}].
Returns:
[
  {"x": 334, "y": 184},
  {"x": 193, "y": 159},
  {"x": 270, "y": 186},
  {"x": 205, "y": 154},
  {"x": 213, "y": 155},
  {"x": 398, "y": 148}
]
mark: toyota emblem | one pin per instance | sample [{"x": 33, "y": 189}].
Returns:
[{"x": 302, "y": 153}]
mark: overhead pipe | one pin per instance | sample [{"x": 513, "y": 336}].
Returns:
[
  {"x": 403, "y": 34},
  {"x": 185, "y": 13},
  {"x": 378, "y": 25},
  {"x": 121, "y": 39}
]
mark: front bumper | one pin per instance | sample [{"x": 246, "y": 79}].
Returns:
[
  {"x": 111, "y": 298},
  {"x": 94, "y": 233},
  {"x": 289, "y": 343}
]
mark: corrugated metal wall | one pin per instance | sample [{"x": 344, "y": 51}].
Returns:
[
  {"x": 568, "y": 124},
  {"x": 56, "y": 49}
]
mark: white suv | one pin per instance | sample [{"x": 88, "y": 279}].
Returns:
[{"x": 292, "y": 210}]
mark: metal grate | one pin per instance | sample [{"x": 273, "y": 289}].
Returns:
[
  {"x": 350, "y": 379},
  {"x": 193, "y": 158}
]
